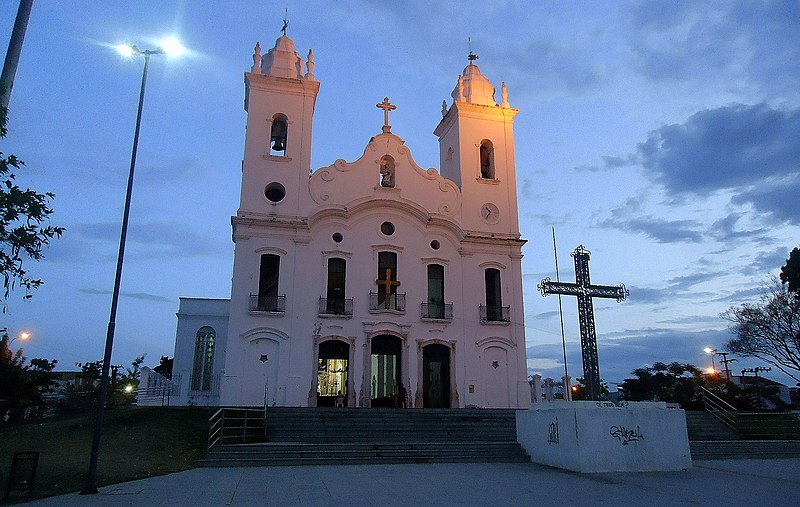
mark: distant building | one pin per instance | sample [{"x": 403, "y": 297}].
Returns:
[{"x": 753, "y": 381}]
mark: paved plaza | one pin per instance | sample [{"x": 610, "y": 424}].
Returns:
[{"x": 774, "y": 482}]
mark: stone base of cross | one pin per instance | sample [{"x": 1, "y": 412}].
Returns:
[{"x": 585, "y": 291}]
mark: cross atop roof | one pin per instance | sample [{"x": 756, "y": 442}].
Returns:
[{"x": 386, "y": 106}]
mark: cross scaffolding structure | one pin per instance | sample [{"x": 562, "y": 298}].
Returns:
[{"x": 585, "y": 291}]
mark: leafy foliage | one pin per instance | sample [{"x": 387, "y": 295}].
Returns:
[
  {"x": 164, "y": 366},
  {"x": 673, "y": 383},
  {"x": 769, "y": 329},
  {"x": 790, "y": 272},
  {"x": 22, "y": 385},
  {"x": 23, "y": 215}
]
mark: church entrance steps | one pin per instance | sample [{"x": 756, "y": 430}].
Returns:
[
  {"x": 318, "y": 436},
  {"x": 744, "y": 449}
]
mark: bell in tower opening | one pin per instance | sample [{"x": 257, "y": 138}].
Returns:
[{"x": 277, "y": 141}]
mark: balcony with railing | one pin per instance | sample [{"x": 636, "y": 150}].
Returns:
[
  {"x": 267, "y": 304},
  {"x": 495, "y": 314},
  {"x": 336, "y": 307},
  {"x": 379, "y": 302},
  {"x": 436, "y": 311}
]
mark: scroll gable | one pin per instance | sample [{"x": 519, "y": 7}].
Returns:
[{"x": 386, "y": 171}]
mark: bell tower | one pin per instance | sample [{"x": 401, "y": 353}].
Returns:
[
  {"x": 476, "y": 149},
  {"x": 280, "y": 94}
]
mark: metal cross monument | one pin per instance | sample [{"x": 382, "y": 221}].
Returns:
[{"x": 585, "y": 291}]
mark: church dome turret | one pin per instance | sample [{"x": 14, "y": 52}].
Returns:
[
  {"x": 283, "y": 61},
  {"x": 473, "y": 87}
]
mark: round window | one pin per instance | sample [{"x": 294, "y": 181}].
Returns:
[
  {"x": 387, "y": 228},
  {"x": 275, "y": 192},
  {"x": 337, "y": 237},
  {"x": 435, "y": 244}
]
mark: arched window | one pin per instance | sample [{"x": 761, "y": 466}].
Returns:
[
  {"x": 494, "y": 300},
  {"x": 203, "y": 359},
  {"x": 269, "y": 271},
  {"x": 278, "y": 135},
  {"x": 337, "y": 271},
  {"x": 435, "y": 291},
  {"x": 487, "y": 159}
]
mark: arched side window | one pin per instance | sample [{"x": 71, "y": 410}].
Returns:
[
  {"x": 487, "y": 160},
  {"x": 337, "y": 272},
  {"x": 268, "y": 277},
  {"x": 203, "y": 359},
  {"x": 278, "y": 135},
  {"x": 494, "y": 299}
]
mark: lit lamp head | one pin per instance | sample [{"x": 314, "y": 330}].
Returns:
[
  {"x": 169, "y": 46},
  {"x": 711, "y": 371},
  {"x": 709, "y": 350},
  {"x": 24, "y": 335}
]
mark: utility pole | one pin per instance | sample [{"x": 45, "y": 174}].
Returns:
[
  {"x": 725, "y": 361},
  {"x": 14, "y": 50},
  {"x": 755, "y": 371}
]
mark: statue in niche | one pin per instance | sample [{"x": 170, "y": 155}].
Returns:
[{"x": 387, "y": 172}]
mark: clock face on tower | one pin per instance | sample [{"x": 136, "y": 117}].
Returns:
[{"x": 489, "y": 213}]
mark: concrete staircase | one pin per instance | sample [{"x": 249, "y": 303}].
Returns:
[
  {"x": 709, "y": 438},
  {"x": 326, "y": 436},
  {"x": 704, "y": 426},
  {"x": 744, "y": 449}
]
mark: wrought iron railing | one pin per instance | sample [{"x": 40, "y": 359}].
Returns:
[
  {"x": 379, "y": 301},
  {"x": 721, "y": 409},
  {"x": 495, "y": 313},
  {"x": 440, "y": 311},
  {"x": 236, "y": 426},
  {"x": 259, "y": 303},
  {"x": 336, "y": 306}
]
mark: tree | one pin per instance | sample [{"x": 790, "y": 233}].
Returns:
[
  {"x": 579, "y": 390},
  {"x": 164, "y": 367},
  {"x": 672, "y": 383},
  {"x": 770, "y": 329},
  {"x": 22, "y": 385},
  {"x": 23, "y": 215},
  {"x": 790, "y": 272}
]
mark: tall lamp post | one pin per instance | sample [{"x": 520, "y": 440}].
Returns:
[
  {"x": 711, "y": 352},
  {"x": 168, "y": 47}
]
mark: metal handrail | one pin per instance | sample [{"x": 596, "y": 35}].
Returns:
[
  {"x": 721, "y": 409},
  {"x": 219, "y": 432},
  {"x": 215, "y": 425}
]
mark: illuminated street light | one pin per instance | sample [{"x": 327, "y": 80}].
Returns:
[
  {"x": 173, "y": 48},
  {"x": 711, "y": 352}
]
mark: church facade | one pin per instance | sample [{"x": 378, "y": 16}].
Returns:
[{"x": 367, "y": 283}]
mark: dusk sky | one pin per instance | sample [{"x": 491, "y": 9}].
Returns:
[{"x": 663, "y": 136}]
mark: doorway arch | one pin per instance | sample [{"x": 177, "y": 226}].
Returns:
[
  {"x": 386, "y": 382},
  {"x": 436, "y": 376}
]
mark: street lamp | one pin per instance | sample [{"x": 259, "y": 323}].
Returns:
[
  {"x": 170, "y": 47},
  {"x": 22, "y": 335},
  {"x": 710, "y": 351}
]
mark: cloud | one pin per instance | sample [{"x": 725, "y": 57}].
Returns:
[
  {"x": 721, "y": 46},
  {"x": 725, "y": 230},
  {"x": 749, "y": 150},
  {"x": 768, "y": 262},
  {"x": 660, "y": 230},
  {"x": 163, "y": 238},
  {"x": 143, "y": 296}
]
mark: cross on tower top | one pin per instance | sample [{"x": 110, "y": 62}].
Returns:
[
  {"x": 285, "y": 21},
  {"x": 471, "y": 56},
  {"x": 386, "y": 106}
]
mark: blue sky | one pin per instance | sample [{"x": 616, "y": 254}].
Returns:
[{"x": 663, "y": 136}]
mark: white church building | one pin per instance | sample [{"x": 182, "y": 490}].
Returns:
[{"x": 367, "y": 283}]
